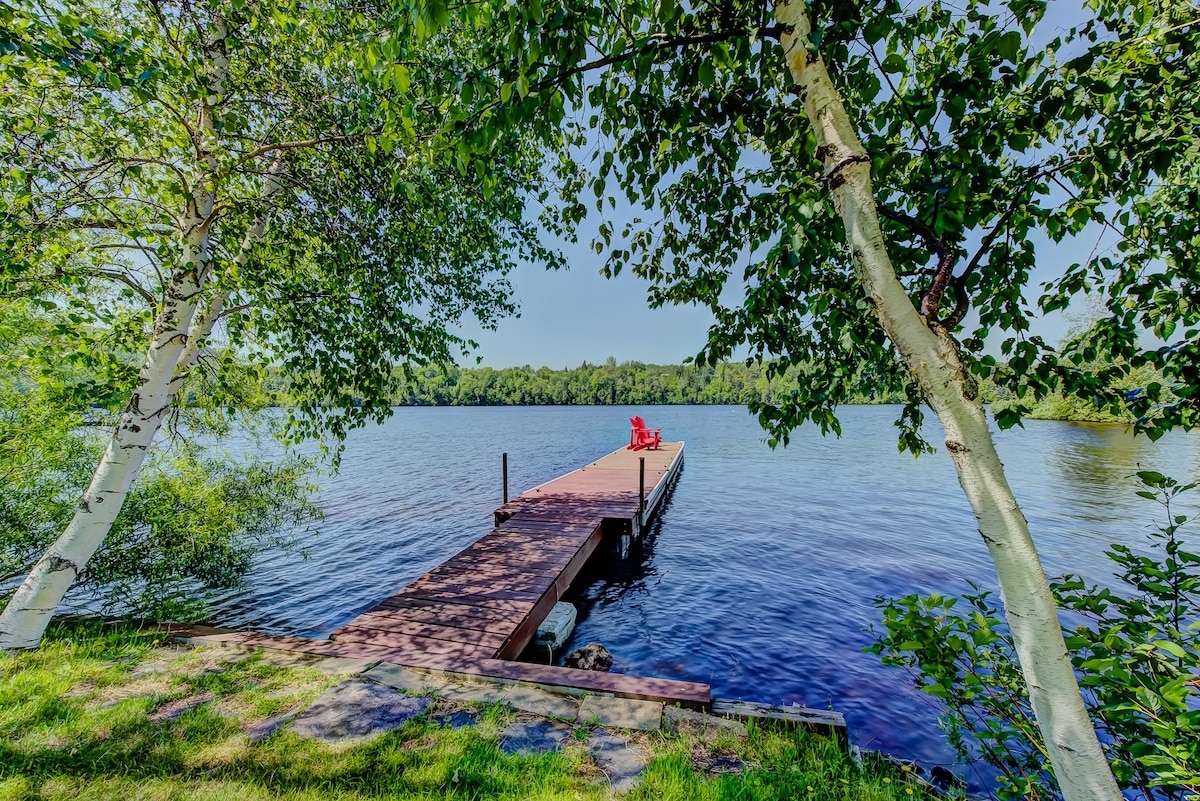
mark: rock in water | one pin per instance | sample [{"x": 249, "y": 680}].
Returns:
[{"x": 592, "y": 656}]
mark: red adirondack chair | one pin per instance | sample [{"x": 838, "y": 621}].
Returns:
[{"x": 641, "y": 437}]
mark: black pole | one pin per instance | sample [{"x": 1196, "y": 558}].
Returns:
[
  {"x": 504, "y": 469},
  {"x": 641, "y": 484}
]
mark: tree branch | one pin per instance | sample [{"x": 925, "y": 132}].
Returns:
[
  {"x": 660, "y": 41},
  {"x": 931, "y": 300},
  {"x": 127, "y": 281},
  {"x": 301, "y": 145}
]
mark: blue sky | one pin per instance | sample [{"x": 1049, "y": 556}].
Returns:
[{"x": 577, "y": 315}]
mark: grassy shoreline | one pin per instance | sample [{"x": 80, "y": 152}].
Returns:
[{"x": 94, "y": 714}]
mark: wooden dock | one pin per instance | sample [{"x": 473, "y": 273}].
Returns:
[
  {"x": 473, "y": 614},
  {"x": 484, "y": 604}
]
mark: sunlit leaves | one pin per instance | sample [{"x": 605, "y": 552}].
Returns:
[
  {"x": 994, "y": 128},
  {"x": 382, "y": 237}
]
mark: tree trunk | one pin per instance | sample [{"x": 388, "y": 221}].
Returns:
[
  {"x": 27, "y": 614},
  {"x": 179, "y": 333},
  {"x": 24, "y": 619},
  {"x": 1082, "y": 772}
]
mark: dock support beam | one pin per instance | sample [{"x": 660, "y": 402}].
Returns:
[
  {"x": 641, "y": 515},
  {"x": 641, "y": 485},
  {"x": 504, "y": 471}
]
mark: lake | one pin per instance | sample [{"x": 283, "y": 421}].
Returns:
[{"x": 758, "y": 576}]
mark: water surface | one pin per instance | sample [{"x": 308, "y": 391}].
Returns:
[{"x": 759, "y": 574}]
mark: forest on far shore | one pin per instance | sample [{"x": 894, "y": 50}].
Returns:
[{"x": 638, "y": 384}]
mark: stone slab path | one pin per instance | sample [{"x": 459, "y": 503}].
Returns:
[
  {"x": 373, "y": 698},
  {"x": 357, "y": 708},
  {"x": 621, "y": 762},
  {"x": 537, "y": 737}
]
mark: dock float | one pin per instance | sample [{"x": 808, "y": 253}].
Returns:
[{"x": 478, "y": 610}]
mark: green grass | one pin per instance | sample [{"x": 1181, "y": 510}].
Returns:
[{"x": 75, "y": 725}]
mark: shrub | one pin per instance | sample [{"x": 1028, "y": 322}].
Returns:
[{"x": 1136, "y": 650}]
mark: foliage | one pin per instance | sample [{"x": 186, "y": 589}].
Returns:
[
  {"x": 74, "y": 723},
  {"x": 991, "y": 129},
  {"x": 1058, "y": 405},
  {"x": 194, "y": 520},
  {"x": 182, "y": 182},
  {"x": 1137, "y": 652},
  {"x": 376, "y": 245}
]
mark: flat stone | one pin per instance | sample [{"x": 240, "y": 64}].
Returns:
[
  {"x": 264, "y": 728},
  {"x": 357, "y": 708},
  {"x": 401, "y": 678},
  {"x": 474, "y": 693},
  {"x": 459, "y": 720},
  {"x": 540, "y": 702},
  {"x": 621, "y": 713},
  {"x": 336, "y": 665},
  {"x": 172, "y": 710},
  {"x": 621, "y": 762},
  {"x": 538, "y": 737},
  {"x": 688, "y": 721},
  {"x": 148, "y": 669},
  {"x": 329, "y": 665}
]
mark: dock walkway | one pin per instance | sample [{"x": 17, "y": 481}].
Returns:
[
  {"x": 487, "y": 601},
  {"x": 474, "y": 613},
  {"x": 478, "y": 610}
]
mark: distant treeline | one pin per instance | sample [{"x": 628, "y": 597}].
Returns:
[
  {"x": 639, "y": 384},
  {"x": 608, "y": 384}
]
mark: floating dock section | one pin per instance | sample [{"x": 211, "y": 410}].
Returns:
[
  {"x": 485, "y": 603},
  {"x": 478, "y": 610}
]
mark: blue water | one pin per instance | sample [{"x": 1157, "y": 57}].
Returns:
[{"x": 759, "y": 575}]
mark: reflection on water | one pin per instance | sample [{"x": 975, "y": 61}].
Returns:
[{"x": 759, "y": 574}]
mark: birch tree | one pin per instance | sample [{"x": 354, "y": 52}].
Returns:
[
  {"x": 875, "y": 175},
  {"x": 248, "y": 171}
]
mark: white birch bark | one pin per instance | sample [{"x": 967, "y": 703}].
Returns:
[
  {"x": 179, "y": 335},
  {"x": 29, "y": 611},
  {"x": 1079, "y": 765}
]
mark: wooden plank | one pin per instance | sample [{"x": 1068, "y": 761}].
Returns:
[
  {"x": 533, "y": 539},
  {"x": 507, "y": 590},
  {"x": 823, "y": 720},
  {"x": 455, "y": 614},
  {"x": 500, "y": 550},
  {"x": 517, "y": 572},
  {"x": 404, "y": 642},
  {"x": 497, "y": 601},
  {"x": 440, "y": 616},
  {"x": 668, "y": 691},
  {"x": 505, "y": 575},
  {"x": 397, "y": 625}
]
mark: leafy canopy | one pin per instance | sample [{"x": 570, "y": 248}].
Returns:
[
  {"x": 376, "y": 243},
  {"x": 991, "y": 129}
]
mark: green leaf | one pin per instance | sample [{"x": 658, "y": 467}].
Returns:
[
  {"x": 894, "y": 63},
  {"x": 401, "y": 78}
]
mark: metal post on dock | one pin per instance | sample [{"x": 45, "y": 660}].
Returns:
[
  {"x": 504, "y": 470},
  {"x": 641, "y": 485}
]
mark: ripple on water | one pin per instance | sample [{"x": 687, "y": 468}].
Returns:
[{"x": 759, "y": 575}]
